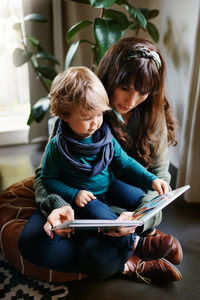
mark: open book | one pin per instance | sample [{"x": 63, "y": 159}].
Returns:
[{"x": 139, "y": 217}]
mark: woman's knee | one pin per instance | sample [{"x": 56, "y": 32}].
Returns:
[{"x": 28, "y": 243}]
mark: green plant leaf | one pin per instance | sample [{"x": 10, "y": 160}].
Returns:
[
  {"x": 76, "y": 28},
  {"x": 47, "y": 56},
  {"x": 101, "y": 34},
  {"x": 35, "y": 18},
  {"x": 17, "y": 26},
  {"x": 72, "y": 51},
  {"x": 149, "y": 14},
  {"x": 106, "y": 32},
  {"x": 35, "y": 42},
  {"x": 137, "y": 15},
  {"x": 47, "y": 72},
  {"x": 30, "y": 118},
  {"x": 21, "y": 56},
  {"x": 119, "y": 17},
  {"x": 70, "y": 54},
  {"x": 154, "y": 13},
  {"x": 48, "y": 82},
  {"x": 153, "y": 31},
  {"x": 40, "y": 109},
  {"x": 34, "y": 61},
  {"x": 114, "y": 33},
  {"x": 102, "y": 3},
  {"x": 145, "y": 12},
  {"x": 86, "y": 41}
]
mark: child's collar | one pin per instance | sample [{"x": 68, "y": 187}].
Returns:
[{"x": 118, "y": 115}]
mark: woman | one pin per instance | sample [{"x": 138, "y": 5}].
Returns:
[{"x": 132, "y": 72}]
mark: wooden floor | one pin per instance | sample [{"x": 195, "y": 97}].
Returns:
[{"x": 179, "y": 218}]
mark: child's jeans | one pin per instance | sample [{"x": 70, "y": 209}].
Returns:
[{"x": 119, "y": 194}]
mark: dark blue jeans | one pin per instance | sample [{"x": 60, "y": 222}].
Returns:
[{"x": 86, "y": 251}]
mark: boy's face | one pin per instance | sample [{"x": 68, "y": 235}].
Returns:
[{"x": 84, "y": 125}]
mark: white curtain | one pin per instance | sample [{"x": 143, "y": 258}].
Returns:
[{"x": 189, "y": 168}]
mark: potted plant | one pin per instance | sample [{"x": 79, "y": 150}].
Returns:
[{"x": 107, "y": 29}]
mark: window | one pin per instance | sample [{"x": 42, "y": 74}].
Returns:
[{"x": 14, "y": 84}]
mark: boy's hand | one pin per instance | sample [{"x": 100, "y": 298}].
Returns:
[
  {"x": 83, "y": 198},
  {"x": 160, "y": 186}
]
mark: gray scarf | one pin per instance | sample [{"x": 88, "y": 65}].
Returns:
[{"x": 102, "y": 146}]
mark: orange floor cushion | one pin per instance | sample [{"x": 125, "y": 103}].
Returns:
[{"x": 17, "y": 203}]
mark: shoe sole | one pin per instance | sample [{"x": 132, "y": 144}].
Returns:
[{"x": 179, "y": 275}]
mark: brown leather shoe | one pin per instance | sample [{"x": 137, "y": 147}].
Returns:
[
  {"x": 153, "y": 270},
  {"x": 160, "y": 246},
  {"x": 175, "y": 256},
  {"x": 156, "y": 232}
]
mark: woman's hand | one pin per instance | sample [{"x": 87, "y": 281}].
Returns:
[
  {"x": 160, "y": 186},
  {"x": 83, "y": 198},
  {"x": 120, "y": 231},
  {"x": 57, "y": 217}
]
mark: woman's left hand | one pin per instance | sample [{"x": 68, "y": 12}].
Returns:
[
  {"x": 161, "y": 186},
  {"x": 57, "y": 217},
  {"x": 121, "y": 231}
]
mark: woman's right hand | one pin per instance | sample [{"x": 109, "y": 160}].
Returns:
[
  {"x": 57, "y": 217},
  {"x": 122, "y": 231}
]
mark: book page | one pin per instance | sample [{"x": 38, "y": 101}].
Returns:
[{"x": 156, "y": 204}]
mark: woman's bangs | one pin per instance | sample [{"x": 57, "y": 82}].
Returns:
[
  {"x": 124, "y": 76},
  {"x": 143, "y": 83},
  {"x": 145, "y": 80}
]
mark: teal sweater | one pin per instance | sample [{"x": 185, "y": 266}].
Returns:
[{"x": 58, "y": 176}]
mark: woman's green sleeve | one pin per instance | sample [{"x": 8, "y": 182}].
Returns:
[{"x": 45, "y": 201}]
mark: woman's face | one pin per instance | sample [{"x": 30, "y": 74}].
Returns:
[{"x": 126, "y": 98}]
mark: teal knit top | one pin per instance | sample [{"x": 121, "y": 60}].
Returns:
[{"x": 60, "y": 178}]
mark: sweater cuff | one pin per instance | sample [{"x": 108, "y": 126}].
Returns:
[{"x": 52, "y": 202}]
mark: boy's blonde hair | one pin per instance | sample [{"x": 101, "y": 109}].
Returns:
[{"x": 77, "y": 89}]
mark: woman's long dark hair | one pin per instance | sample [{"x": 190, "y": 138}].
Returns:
[{"x": 119, "y": 67}]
